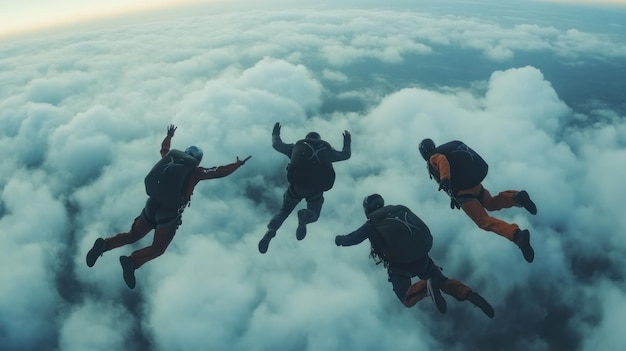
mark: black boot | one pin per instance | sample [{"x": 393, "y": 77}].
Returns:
[
  {"x": 481, "y": 303},
  {"x": 523, "y": 199},
  {"x": 522, "y": 240},
  {"x": 265, "y": 241},
  {"x": 304, "y": 217},
  {"x": 98, "y": 248},
  {"x": 128, "y": 267}
]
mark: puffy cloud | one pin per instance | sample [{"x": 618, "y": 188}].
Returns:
[{"x": 81, "y": 135}]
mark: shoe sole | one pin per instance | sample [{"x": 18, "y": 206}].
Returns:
[
  {"x": 437, "y": 298},
  {"x": 481, "y": 303}
]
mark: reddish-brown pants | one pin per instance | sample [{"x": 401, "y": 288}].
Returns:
[
  {"x": 161, "y": 240},
  {"x": 452, "y": 287}
]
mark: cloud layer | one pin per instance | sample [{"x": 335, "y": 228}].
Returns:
[{"x": 81, "y": 121}]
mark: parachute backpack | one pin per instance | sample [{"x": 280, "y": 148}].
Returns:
[
  {"x": 404, "y": 235},
  {"x": 167, "y": 180},
  {"x": 469, "y": 168},
  {"x": 311, "y": 165}
]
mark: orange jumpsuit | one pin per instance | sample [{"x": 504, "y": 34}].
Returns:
[{"x": 477, "y": 201}]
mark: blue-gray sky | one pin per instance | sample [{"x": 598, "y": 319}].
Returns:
[{"x": 536, "y": 89}]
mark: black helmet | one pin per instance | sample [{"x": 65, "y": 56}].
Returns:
[
  {"x": 372, "y": 202},
  {"x": 313, "y": 135},
  {"x": 426, "y": 148}
]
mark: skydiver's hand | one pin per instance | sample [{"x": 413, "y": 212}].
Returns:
[
  {"x": 445, "y": 185},
  {"x": 276, "y": 129},
  {"x": 170, "y": 130},
  {"x": 338, "y": 240},
  {"x": 454, "y": 204},
  {"x": 242, "y": 162},
  {"x": 347, "y": 138}
]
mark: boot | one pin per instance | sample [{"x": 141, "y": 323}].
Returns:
[
  {"x": 128, "y": 267},
  {"x": 98, "y": 248},
  {"x": 522, "y": 240},
  {"x": 481, "y": 303},
  {"x": 265, "y": 241},
  {"x": 304, "y": 217},
  {"x": 523, "y": 199}
]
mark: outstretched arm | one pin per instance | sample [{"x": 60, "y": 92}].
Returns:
[
  {"x": 165, "y": 145},
  {"x": 277, "y": 142},
  {"x": 219, "y": 171},
  {"x": 356, "y": 237},
  {"x": 346, "y": 152},
  {"x": 201, "y": 173}
]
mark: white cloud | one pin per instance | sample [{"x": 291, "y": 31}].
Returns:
[{"x": 81, "y": 134}]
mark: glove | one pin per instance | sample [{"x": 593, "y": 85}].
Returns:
[
  {"x": 445, "y": 185},
  {"x": 276, "y": 129},
  {"x": 242, "y": 162},
  {"x": 454, "y": 204},
  {"x": 170, "y": 130},
  {"x": 347, "y": 138},
  {"x": 338, "y": 240}
]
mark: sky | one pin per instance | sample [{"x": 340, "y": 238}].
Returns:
[
  {"x": 28, "y": 16},
  {"x": 83, "y": 111}
]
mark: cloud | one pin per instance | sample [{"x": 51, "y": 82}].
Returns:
[{"x": 81, "y": 134}]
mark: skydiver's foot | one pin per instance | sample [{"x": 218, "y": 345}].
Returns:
[
  {"x": 522, "y": 240},
  {"x": 478, "y": 301},
  {"x": 265, "y": 241},
  {"x": 304, "y": 217},
  {"x": 98, "y": 248},
  {"x": 128, "y": 266},
  {"x": 434, "y": 292},
  {"x": 523, "y": 199}
]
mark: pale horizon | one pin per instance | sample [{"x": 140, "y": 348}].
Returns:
[
  {"x": 24, "y": 18},
  {"x": 32, "y": 16}
]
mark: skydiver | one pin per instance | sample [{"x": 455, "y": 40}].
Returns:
[
  {"x": 170, "y": 185},
  {"x": 406, "y": 255},
  {"x": 459, "y": 170},
  {"x": 310, "y": 173}
]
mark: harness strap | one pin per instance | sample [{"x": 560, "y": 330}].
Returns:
[{"x": 465, "y": 198}]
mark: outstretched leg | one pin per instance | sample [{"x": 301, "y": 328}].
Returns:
[
  {"x": 504, "y": 199},
  {"x": 475, "y": 210},
  {"x": 138, "y": 230},
  {"x": 401, "y": 283},
  {"x": 310, "y": 214},
  {"x": 462, "y": 292},
  {"x": 431, "y": 278},
  {"x": 415, "y": 293},
  {"x": 290, "y": 200},
  {"x": 162, "y": 239},
  {"x": 519, "y": 237}
]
